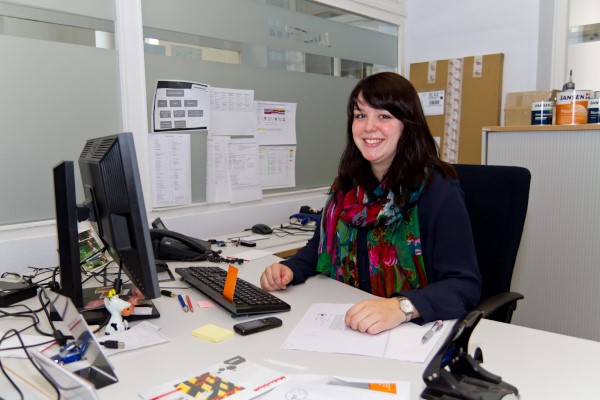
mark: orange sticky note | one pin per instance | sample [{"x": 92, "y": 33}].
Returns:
[
  {"x": 230, "y": 282},
  {"x": 383, "y": 387}
]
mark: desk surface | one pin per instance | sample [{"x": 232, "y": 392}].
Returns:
[{"x": 541, "y": 365}]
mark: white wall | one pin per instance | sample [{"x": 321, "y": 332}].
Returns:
[{"x": 441, "y": 29}]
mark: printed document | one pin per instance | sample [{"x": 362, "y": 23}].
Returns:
[
  {"x": 320, "y": 387},
  {"x": 235, "y": 378},
  {"x": 322, "y": 329}
]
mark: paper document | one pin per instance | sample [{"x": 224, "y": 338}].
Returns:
[
  {"x": 231, "y": 111},
  {"x": 141, "y": 335},
  {"x": 319, "y": 387},
  {"x": 243, "y": 170},
  {"x": 235, "y": 379},
  {"x": 322, "y": 329},
  {"x": 181, "y": 105},
  {"x": 275, "y": 123},
  {"x": 170, "y": 169},
  {"x": 277, "y": 166}
]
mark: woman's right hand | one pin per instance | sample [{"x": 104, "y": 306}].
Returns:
[{"x": 276, "y": 277}]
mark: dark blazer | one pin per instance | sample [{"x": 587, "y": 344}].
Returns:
[{"x": 454, "y": 282}]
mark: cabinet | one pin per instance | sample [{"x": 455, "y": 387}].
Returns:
[{"x": 558, "y": 266}]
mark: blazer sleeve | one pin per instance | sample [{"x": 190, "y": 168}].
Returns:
[
  {"x": 454, "y": 281},
  {"x": 304, "y": 263}
]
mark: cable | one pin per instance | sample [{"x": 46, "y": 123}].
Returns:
[
  {"x": 14, "y": 332},
  {"x": 60, "y": 337}
]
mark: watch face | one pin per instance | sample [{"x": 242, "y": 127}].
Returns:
[{"x": 406, "y": 306}]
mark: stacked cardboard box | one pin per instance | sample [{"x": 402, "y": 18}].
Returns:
[{"x": 517, "y": 108}]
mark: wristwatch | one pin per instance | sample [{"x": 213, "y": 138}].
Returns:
[{"x": 406, "y": 307}]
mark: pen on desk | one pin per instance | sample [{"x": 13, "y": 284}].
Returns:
[
  {"x": 183, "y": 305},
  {"x": 437, "y": 325},
  {"x": 189, "y": 301}
]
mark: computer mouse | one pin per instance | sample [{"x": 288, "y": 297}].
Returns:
[{"x": 262, "y": 229}]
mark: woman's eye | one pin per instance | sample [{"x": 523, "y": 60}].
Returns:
[{"x": 359, "y": 116}]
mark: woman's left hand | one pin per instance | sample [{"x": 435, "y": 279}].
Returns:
[{"x": 374, "y": 315}]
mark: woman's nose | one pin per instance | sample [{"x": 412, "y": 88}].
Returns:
[{"x": 370, "y": 125}]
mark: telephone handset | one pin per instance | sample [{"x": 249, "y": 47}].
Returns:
[{"x": 170, "y": 245}]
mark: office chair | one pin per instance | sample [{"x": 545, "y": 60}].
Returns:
[{"x": 496, "y": 198}]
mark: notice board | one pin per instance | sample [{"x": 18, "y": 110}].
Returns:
[{"x": 472, "y": 98}]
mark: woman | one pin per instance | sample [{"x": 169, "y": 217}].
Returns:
[{"x": 395, "y": 222}]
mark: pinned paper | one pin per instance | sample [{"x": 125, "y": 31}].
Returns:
[{"x": 230, "y": 282}]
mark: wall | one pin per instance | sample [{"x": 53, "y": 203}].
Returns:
[{"x": 439, "y": 29}]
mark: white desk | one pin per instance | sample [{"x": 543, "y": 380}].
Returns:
[{"x": 541, "y": 365}]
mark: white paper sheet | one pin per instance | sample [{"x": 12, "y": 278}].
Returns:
[
  {"x": 277, "y": 166},
  {"x": 231, "y": 111},
  {"x": 170, "y": 169},
  {"x": 243, "y": 170},
  {"x": 319, "y": 387},
  {"x": 275, "y": 123},
  {"x": 322, "y": 329},
  {"x": 217, "y": 181}
]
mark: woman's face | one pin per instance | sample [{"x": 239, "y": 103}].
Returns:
[{"x": 376, "y": 134}]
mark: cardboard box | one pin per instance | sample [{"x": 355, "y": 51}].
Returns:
[
  {"x": 524, "y": 99},
  {"x": 517, "y": 109}
]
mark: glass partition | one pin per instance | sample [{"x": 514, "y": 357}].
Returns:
[
  {"x": 298, "y": 52},
  {"x": 60, "y": 86}
]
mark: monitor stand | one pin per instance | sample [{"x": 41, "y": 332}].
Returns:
[{"x": 94, "y": 312}]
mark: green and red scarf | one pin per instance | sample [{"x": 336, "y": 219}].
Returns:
[{"x": 393, "y": 242}]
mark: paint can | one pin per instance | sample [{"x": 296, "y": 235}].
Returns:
[
  {"x": 571, "y": 107},
  {"x": 541, "y": 112},
  {"x": 593, "y": 111}
]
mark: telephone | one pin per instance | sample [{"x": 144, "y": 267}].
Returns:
[{"x": 170, "y": 245}]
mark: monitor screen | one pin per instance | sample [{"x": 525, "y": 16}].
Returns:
[{"x": 114, "y": 205}]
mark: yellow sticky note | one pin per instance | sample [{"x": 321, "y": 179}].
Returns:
[{"x": 212, "y": 332}]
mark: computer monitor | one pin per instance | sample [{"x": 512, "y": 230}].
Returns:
[{"x": 114, "y": 205}]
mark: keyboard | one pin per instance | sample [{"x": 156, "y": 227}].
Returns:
[{"x": 248, "y": 299}]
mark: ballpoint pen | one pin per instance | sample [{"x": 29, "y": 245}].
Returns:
[
  {"x": 185, "y": 307},
  {"x": 189, "y": 301},
  {"x": 437, "y": 325}
]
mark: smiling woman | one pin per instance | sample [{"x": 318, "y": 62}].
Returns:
[{"x": 395, "y": 223}]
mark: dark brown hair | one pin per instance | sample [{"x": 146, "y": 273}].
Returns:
[{"x": 416, "y": 152}]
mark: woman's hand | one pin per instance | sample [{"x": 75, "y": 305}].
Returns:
[
  {"x": 276, "y": 277},
  {"x": 375, "y": 315}
]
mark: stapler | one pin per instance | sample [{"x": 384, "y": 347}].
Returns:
[{"x": 453, "y": 374}]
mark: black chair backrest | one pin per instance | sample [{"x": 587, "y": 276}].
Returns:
[{"x": 496, "y": 198}]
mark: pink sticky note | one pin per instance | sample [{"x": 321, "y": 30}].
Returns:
[{"x": 205, "y": 304}]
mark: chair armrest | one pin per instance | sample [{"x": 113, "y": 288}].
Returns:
[{"x": 505, "y": 302}]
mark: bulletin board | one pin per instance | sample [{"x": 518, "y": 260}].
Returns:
[{"x": 472, "y": 89}]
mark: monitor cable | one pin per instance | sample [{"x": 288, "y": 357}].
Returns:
[{"x": 14, "y": 332}]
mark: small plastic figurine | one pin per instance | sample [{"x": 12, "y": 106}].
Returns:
[{"x": 118, "y": 308}]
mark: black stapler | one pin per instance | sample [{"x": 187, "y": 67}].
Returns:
[{"x": 453, "y": 374}]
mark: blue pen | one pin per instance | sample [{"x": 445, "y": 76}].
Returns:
[{"x": 185, "y": 307}]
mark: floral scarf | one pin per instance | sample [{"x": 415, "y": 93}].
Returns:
[{"x": 393, "y": 242}]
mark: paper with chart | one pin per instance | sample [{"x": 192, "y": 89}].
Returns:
[
  {"x": 181, "y": 105},
  {"x": 231, "y": 111},
  {"x": 322, "y": 329},
  {"x": 274, "y": 123}
]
